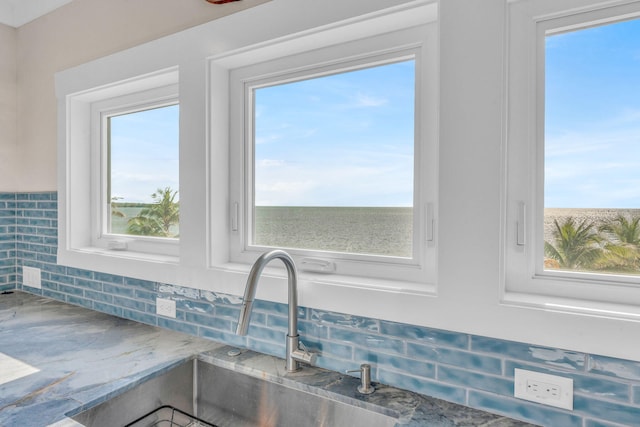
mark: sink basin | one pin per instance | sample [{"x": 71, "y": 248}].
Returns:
[{"x": 197, "y": 390}]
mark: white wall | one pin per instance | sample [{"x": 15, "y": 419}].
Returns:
[
  {"x": 74, "y": 34},
  {"x": 471, "y": 88},
  {"x": 8, "y": 142}
]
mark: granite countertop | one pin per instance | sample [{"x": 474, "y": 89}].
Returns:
[{"x": 56, "y": 358}]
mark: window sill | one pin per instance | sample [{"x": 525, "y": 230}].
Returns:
[
  {"x": 159, "y": 268},
  {"x": 360, "y": 296},
  {"x": 572, "y": 306},
  {"x": 309, "y": 278}
]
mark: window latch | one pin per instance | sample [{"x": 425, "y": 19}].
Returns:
[
  {"x": 317, "y": 265},
  {"x": 520, "y": 224},
  {"x": 234, "y": 216},
  {"x": 430, "y": 223}
]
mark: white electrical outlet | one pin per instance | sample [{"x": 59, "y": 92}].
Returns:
[
  {"x": 31, "y": 277},
  {"x": 544, "y": 388},
  {"x": 166, "y": 307}
]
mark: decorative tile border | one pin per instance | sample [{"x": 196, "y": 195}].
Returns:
[{"x": 472, "y": 370}]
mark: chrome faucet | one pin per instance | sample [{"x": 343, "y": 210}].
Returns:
[{"x": 296, "y": 352}]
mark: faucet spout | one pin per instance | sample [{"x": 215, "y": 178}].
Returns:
[{"x": 295, "y": 353}]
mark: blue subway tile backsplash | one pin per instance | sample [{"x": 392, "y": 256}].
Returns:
[
  {"x": 472, "y": 370},
  {"x": 548, "y": 356},
  {"x": 543, "y": 415},
  {"x": 8, "y": 263}
]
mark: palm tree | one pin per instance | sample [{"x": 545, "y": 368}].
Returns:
[
  {"x": 576, "y": 246},
  {"x": 157, "y": 218},
  {"x": 626, "y": 231},
  {"x": 144, "y": 226},
  {"x": 618, "y": 258},
  {"x": 622, "y": 251}
]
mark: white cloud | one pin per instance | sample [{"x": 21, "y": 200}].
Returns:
[
  {"x": 363, "y": 100},
  {"x": 342, "y": 180}
]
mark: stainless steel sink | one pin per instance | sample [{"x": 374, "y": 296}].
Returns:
[{"x": 222, "y": 398}]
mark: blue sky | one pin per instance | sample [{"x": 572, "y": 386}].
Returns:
[
  {"x": 144, "y": 153},
  {"x": 592, "y": 119},
  {"x": 347, "y": 139},
  {"x": 339, "y": 140}
]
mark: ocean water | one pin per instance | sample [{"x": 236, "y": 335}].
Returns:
[
  {"x": 369, "y": 230},
  {"x": 364, "y": 230},
  {"x": 119, "y": 224}
]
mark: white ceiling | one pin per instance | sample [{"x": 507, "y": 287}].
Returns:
[{"x": 18, "y": 12}]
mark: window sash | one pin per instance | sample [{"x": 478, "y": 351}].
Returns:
[
  {"x": 421, "y": 266},
  {"x": 525, "y": 279},
  {"x": 101, "y": 111},
  {"x": 250, "y": 147}
]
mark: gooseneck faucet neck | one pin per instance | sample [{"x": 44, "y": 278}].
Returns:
[
  {"x": 294, "y": 354},
  {"x": 252, "y": 285}
]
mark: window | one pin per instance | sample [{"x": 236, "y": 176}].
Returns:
[
  {"x": 136, "y": 155},
  {"x": 121, "y": 173},
  {"x": 333, "y": 162},
  {"x": 142, "y": 172},
  {"x": 573, "y": 225},
  {"x": 591, "y": 188}
]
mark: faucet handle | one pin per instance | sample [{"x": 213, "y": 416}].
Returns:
[{"x": 302, "y": 354}]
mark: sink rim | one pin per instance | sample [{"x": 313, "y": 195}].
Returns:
[
  {"x": 130, "y": 383},
  {"x": 274, "y": 374},
  {"x": 344, "y": 392}
]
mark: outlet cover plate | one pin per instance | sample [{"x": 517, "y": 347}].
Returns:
[
  {"x": 166, "y": 307},
  {"x": 542, "y": 388},
  {"x": 31, "y": 277}
]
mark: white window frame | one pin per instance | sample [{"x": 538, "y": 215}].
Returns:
[
  {"x": 82, "y": 242},
  {"x": 526, "y": 282},
  {"x": 205, "y": 56},
  {"x": 101, "y": 111},
  {"x": 377, "y": 49}
]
